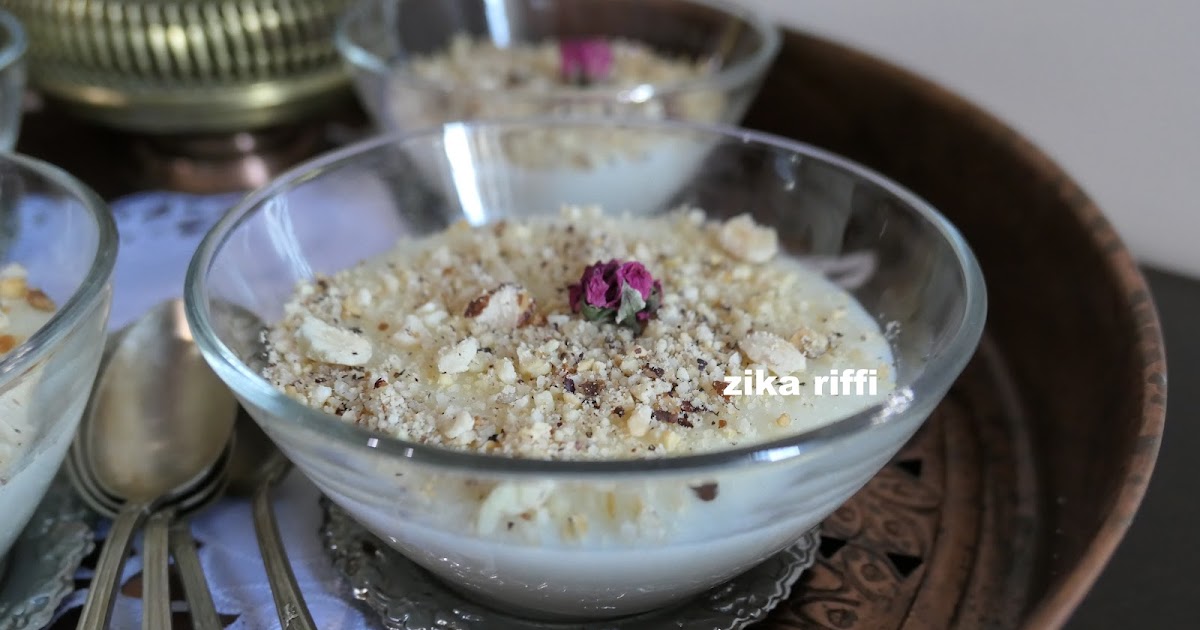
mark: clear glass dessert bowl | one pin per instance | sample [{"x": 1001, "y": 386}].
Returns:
[
  {"x": 700, "y": 518},
  {"x": 386, "y": 45},
  {"x": 63, "y": 237},
  {"x": 13, "y": 45}
]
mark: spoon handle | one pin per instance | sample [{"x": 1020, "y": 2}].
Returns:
[
  {"x": 156, "y": 589},
  {"x": 289, "y": 602},
  {"x": 97, "y": 610},
  {"x": 191, "y": 574}
]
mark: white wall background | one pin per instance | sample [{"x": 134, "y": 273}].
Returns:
[{"x": 1109, "y": 88}]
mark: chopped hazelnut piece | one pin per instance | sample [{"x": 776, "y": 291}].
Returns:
[
  {"x": 328, "y": 344},
  {"x": 813, "y": 344},
  {"x": 456, "y": 425},
  {"x": 639, "y": 422},
  {"x": 39, "y": 300},
  {"x": 590, "y": 389},
  {"x": 746, "y": 240},
  {"x": 457, "y": 359},
  {"x": 774, "y": 352},
  {"x": 13, "y": 287},
  {"x": 506, "y": 306},
  {"x": 664, "y": 416}
]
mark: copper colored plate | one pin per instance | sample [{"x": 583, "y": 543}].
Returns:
[
  {"x": 1031, "y": 471},
  {"x": 946, "y": 535}
]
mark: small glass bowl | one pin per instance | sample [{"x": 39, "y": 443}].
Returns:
[
  {"x": 13, "y": 44},
  {"x": 721, "y": 512},
  {"x": 64, "y": 236},
  {"x": 379, "y": 38}
]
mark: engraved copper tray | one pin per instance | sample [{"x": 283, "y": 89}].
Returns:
[{"x": 1003, "y": 510}]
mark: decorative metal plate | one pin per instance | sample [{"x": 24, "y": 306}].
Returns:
[
  {"x": 406, "y": 597},
  {"x": 40, "y": 568}
]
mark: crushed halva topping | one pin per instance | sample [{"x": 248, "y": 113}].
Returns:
[
  {"x": 473, "y": 78},
  {"x": 466, "y": 339}
]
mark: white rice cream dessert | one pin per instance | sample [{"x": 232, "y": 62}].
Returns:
[
  {"x": 474, "y": 79},
  {"x": 482, "y": 80},
  {"x": 501, "y": 339},
  {"x": 24, "y": 475},
  {"x": 23, "y": 310},
  {"x": 468, "y": 340}
]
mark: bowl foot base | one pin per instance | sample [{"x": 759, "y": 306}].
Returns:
[{"x": 406, "y": 597}]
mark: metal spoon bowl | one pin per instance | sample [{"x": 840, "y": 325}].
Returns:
[
  {"x": 158, "y": 393},
  {"x": 195, "y": 497},
  {"x": 187, "y": 500}
]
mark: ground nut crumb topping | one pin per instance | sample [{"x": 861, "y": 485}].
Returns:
[
  {"x": 467, "y": 339},
  {"x": 473, "y": 78},
  {"x": 526, "y": 67}
]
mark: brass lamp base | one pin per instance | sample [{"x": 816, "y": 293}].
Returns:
[{"x": 216, "y": 163}]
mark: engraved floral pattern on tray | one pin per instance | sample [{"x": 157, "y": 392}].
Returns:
[
  {"x": 407, "y": 598},
  {"x": 39, "y": 569}
]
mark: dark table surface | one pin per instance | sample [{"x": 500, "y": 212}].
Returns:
[{"x": 1153, "y": 581}]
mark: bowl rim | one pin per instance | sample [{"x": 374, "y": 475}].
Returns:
[
  {"x": 939, "y": 372},
  {"x": 90, "y": 289},
  {"x": 727, "y": 77},
  {"x": 18, "y": 43}
]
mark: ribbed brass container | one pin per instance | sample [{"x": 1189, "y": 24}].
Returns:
[{"x": 185, "y": 66}]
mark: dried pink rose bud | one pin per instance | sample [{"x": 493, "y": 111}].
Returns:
[
  {"x": 624, "y": 293},
  {"x": 585, "y": 61}
]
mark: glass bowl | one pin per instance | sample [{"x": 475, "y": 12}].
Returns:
[
  {"x": 12, "y": 79},
  {"x": 380, "y": 38},
  {"x": 720, "y": 513},
  {"x": 64, "y": 237}
]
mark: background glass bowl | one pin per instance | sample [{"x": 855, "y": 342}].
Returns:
[
  {"x": 377, "y": 38},
  {"x": 909, "y": 267},
  {"x": 64, "y": 236},
  {"x": 13, "y": 44}
]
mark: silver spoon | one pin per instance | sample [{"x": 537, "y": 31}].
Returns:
[
  {"x": 182, "y": 546},
  {"x": 257, "y": 466},
  {"x": 179, "y": 540},
  {"x": 159, "y": 420}
]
